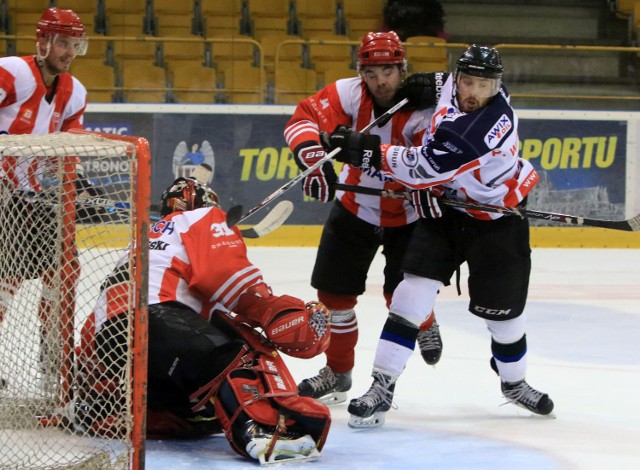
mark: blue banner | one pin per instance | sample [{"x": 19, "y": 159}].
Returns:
[{"x": 581, "y": 162}]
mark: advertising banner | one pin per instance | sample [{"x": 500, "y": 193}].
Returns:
[{"x": 582, "y": 163}]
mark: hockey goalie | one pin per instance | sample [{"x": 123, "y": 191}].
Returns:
[{"x": 215, "y": 333}]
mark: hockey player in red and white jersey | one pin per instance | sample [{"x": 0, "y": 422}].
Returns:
[
  {"x": 358, "y": 224},
  {"x": 208, "y": 367},
  {"x": 470, "y": 153},
  {"x": 38, "y": 95}
]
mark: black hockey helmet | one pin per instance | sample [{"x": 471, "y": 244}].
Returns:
[
  {"x": 480, "y": 61},
  {"x": 186, "y": 194}
]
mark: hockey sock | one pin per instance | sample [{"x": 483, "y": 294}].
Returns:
[
  {"x": 344, "y": 337},
  {"x": 510, "y": 359},
  {"x": 397, "y": 342}
]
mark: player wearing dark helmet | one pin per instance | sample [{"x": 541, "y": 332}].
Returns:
[{"x": 471, "y": 153}]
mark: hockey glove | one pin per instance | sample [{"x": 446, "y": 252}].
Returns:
[
  {"x": 319, "y": 183},
  {"x": 425, "y": 202},
  {"x": 422, "y": 89},
  {"x": 356, "y": 148}
]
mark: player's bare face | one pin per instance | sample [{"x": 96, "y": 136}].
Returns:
[
  {"x": 61, "y": 54},
  {"x": 474, "y": 92},
  {"x": 383, "y": 82}
]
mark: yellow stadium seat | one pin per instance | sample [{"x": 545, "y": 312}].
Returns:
[
  {"x": 242, "y": 83},
  {"x": 234, "y": 48},
  {"x": 272, "y": 44},
  {"x": 125, "y": 6},
  {"x": 357, "y": 28},
  {"x": 265, "y": 25},
  {"x": 36, "y": 6},
  {"x": 217, "y": 26},
  {"x": 293, "y": 84},
  {"x": 194, "y": 84},
  {"x": 316, "y": 17},
  {"x": 136, "y": 51},
  {"x": 99, "y": 80},
  {"x": 426, "y": 58},
  {"x": 125, "y": 24},
  {"x": 213, "y": 8},
  {"x": 332, "y": 74},
  {"x": 323, "y": 54},
  {"x": 363, "y": 8},
  {"x": 270, "y": 8},
  {"x": 144, "y": 83},
  {"x": 178, "y": 53}
]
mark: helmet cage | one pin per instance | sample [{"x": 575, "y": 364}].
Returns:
[{"x": 187, "y": 194}]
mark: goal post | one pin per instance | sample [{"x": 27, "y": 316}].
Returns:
[{"x": 71, "y": 205}]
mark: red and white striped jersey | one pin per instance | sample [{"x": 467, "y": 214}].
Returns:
[
  {"x": 194, "y": 259},
  {"x": 25, "y": 108},
  {"x": 348, "y": 102}
]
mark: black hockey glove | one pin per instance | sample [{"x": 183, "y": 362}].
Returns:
[
  {"x": 356, "y": 148},
  {"x": 425, "y": 202},
  {"x": 319, "y": 183},
  {"x": 422, "y": 89}
]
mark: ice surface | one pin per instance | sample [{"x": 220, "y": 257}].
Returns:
[{"x": 583, "y": 329}]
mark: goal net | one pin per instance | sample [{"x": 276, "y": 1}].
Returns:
[{"x": 71, "y": 205}]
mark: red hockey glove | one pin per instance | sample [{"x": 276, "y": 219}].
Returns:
[
  {"x": 319, "y": 183},
  {"x": 356, "y": 148},
  {"x": 295, "y": 328},
  {"x": 425, "y": 202}
]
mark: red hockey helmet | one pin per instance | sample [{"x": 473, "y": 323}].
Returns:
[
  {"x": 56, "y": 22},
  {"x": 381, "y": 49}
]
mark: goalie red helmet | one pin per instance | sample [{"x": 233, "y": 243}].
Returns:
[
  {"x": 186, "y": 194},
  {"x": 56, "y": 25},
  {"x": 381, "y": 49}
]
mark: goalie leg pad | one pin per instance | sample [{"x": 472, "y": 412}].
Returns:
[{"x": 266, "y": 395}]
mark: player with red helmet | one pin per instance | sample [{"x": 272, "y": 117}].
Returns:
[
  {"x": 358, "y": 224},
  {"x": 38, "y": 96},
  {"x": 209, "y": 368}
]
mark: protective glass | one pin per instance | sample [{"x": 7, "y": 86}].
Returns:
[{"x": 78, "y": 46}]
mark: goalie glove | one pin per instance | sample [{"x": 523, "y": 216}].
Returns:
[
  {"x": 319, "y": 183},
  {"x": 425, "y": 202},
  {"x": 293, "y": 327},
  {"x": 422, "y": 89}
]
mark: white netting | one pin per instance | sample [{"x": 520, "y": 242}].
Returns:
[{"x": 67, "y": 212}]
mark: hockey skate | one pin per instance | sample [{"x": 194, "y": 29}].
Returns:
[
  {"x": 430, "y": 344},
  {"x": 288, "y": 447},
  {"x": 368, "y": 411},
  {"x": 527, "y": 397},
  {"x": 327, "y": 387}
]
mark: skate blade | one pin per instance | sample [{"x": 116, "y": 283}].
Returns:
[
  {"x": 551, "y": 415},
  {"x": 285, "y": 459},
  {"x": 285, "y": 450},
  {"x": 333, "y": 398},
  {"x": 374, "y": 421}
]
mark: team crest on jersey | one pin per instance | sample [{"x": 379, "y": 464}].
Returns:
[
  {"x": 498, "y": 131},
  {"x": 409, "y": 158},
  {"x": 160, "y": 228}
]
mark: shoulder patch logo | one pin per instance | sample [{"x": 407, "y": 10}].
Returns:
[{"x": 498, "y": 131}]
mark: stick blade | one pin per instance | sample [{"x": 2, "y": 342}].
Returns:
[
  {"x": 234, "y": 215},
  {"x": 274, "y": 219}
]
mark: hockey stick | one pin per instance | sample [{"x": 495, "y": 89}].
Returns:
[
  {"x": 274, "y": 219},
  {"x": 629, "y": 225},
  {"x": 291, "y": 183}
]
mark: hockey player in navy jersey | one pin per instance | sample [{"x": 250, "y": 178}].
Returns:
[{"x": 470, "y": 153}]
